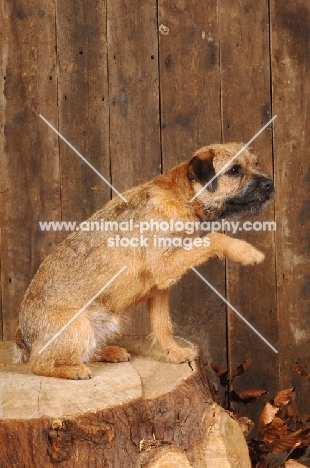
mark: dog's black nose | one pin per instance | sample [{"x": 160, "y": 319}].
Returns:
[{"x": 267, "y": 184}]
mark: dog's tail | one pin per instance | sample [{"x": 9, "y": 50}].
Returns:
[{"x": 21, "y": 352}]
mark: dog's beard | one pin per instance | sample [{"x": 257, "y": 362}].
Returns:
[
  {"x": 237, "y": 210},
  {"x": 251, "y": 202}
]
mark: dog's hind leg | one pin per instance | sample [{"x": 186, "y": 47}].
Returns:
[{"x": 66, "y": 355}]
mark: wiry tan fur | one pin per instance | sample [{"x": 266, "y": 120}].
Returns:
[{"x": 83, "y": 263}]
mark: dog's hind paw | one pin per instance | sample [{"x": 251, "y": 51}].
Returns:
[
  {"x": 72, "y": 372},
  {"x": 80, "y": 372}
]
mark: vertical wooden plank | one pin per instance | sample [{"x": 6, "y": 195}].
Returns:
[
  {"x": 134, "y": 100},
  {"x": 29, "y": 175},
  {"x": 291, "y": 82},
  {"x": 83, "y": 106},
  {"x": 246, "y": 107},
  {"x": 191, "y": 118},
  {"x": 190, "y": 78},
  {"x": 3, "y": 65},
  {"x": 133, "y": 88}
]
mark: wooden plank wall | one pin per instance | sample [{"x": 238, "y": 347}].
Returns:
[
  {"x": 30, "y": 178},
  {"x": 136, "y": 87}
]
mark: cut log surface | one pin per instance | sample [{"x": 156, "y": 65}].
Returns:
[{"x": 142, "y": 413}]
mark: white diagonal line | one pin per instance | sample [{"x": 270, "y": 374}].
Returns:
[
  {"x": 235, "y": 310},
  {"x": 82, "y": 157},
  {"x": 234, "y": 157},
  {"x": 83, "y": 308}
]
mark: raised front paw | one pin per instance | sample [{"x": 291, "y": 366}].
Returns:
[
  {"x": 244, "y": 253},
  {"x": 178, "y": 354},
  {"x": 252, "y": 256}
]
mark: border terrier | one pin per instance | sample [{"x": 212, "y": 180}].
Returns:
[{"x": 84, "y": 262}]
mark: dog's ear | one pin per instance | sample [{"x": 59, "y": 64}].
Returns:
[{"x": 201, "y": 169}]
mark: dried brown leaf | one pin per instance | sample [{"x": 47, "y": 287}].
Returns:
[
  {"x": 241, "y": 369},
  {"x": 289, "y": 442},
  {"x": 247, "y": 394},
  {"x": 219, "y": 370},
  {"x": 266, "y": 416},
  {"x": 301, "y": 370},
  {"x": 246, "y": 364},
  {"x": 283, "y": 397},
  {"x": 280, "y": 446},
  {"x": 276, "y": 429},
  {"x": 293, "y": 464},
  {"x": 278, "y": 423},
  {"x": 306, "y": 437}
]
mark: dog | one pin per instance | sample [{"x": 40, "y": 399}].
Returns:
[{"x": 142, "y": 268}]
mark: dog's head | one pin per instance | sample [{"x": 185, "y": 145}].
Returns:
[{"x": 233, "y": 186}]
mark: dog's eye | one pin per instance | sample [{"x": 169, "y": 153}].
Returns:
[{"x": 234, "y": 170}]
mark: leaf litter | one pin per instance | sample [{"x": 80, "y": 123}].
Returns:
[{"x": 284, "y": 435}]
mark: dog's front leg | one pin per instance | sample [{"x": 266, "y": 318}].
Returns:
[
  {"x": 180, "y": 260},
  {"x": 163, "y": 331},
  {"x": 235, "y": 249}
]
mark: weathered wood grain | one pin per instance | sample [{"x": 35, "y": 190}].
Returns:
[
  {"x": 143, "y": 413},
  {"x": 83, "y": 106},
  {"x": 290, "y": 71},
  {"x": 133, "y": 91},
  {"x": 29, "y": 163},
  {"x": 246, "y": 107},
  {"x": 134, "y": 103},
  {"x": 3, "y": 65},
  {"x": 190, "y": 118}
]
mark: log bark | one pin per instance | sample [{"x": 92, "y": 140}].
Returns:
[{"x": 145, "y": 413}]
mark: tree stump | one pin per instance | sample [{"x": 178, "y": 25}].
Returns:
[{"x": 145, "y": 413}]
